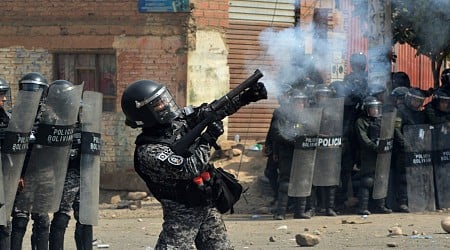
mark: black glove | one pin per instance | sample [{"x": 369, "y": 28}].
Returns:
[
  {"x": 213, "y": 131},
  {"x": 255, "y": 93}
]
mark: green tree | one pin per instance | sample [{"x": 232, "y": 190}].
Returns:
[{"x": 423, "y": 24}]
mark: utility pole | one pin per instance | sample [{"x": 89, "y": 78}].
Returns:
[{"x": 379, "y": 43}]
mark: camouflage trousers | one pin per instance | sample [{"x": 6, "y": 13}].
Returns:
[
  {"x": 185, "y": 227},
  {"x": 71, "y": 192}
]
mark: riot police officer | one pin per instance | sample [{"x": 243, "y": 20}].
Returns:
[
  {"x": 400, "y": 79},
  {"x": 445, "y": 79},
  {"x": 71, "y": 200},
  {"x": 284, "y": 139},
  {"x": 368, "y": 128},
  {"x": 190, "y": 217},
  {"x": 20, "y": 218},
  {"x": 330, "y": 127},
  {"x": 270, "y": 146},
  {"x": 4, "y": 114},
  {"x": 410, "y": 112},
  {"x": 357, "y": 79},
  {"x": 4, "y": 120},
  {"x": 438, "y": 109}
]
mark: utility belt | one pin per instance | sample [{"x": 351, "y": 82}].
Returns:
[{"x": 192, "y": 193}]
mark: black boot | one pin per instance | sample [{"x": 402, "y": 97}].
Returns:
[
  {"x": 57, "y": 231},
  {"x": 380, "y": 207},
  {"x": 280, "y": 211},
  {"x": 83, "y": 236},
  {"x": 363, "y": 196},
  {"x": 40, "y": 234},
  {"x": 18, "y": 229},
  {"x": 300, "y": 207},
  {"x": 311, "y": 205},
  {"x": 330, "y": 195}
]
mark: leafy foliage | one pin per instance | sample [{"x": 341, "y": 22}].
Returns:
[{"x": 423, "y": 24}]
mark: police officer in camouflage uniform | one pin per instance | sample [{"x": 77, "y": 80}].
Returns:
[
  {"x": 368, "y": 127},
  {"x": 20, "y": 218},
  {"x": 172, "y": 173},
  {"x": 71, "y": 200},
  {"x": 4, "y": 120}
]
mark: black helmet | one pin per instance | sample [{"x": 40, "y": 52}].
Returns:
[
  {"x": 441, "y": 100},
  {"x": 4, "y": 86},
  {"x": 414, "y": 98},
  {"x": 322, "y": 91},
  {"x": 358, "y": 61},
  {"x": 400, "y": 79},
  {"x": 33, "y": 81},
  {"x": 146, "y": 103},
  {"x": 372, "y": 106},
  {"x": 297, "y": 96},
  {"x": 445, "y": 77}
]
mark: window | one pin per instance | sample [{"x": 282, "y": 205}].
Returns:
[{"x": 97, "y": 71}]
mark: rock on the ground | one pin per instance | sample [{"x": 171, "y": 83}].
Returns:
[
  {"x": 445, "y": 224},
  {"x": 115, "y": 199},
  {"x": 134, "y": 196},
  {"x": 307, "y": 240},
  {"x": 395, "y": 231}
]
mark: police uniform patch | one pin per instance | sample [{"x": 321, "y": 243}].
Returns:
[
  {"x": 175, "y": 160},
  {"x": 162, "y": 156}
]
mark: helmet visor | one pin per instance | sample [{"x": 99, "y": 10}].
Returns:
[
  {"x": 374, "y": 110},
  {"x": 164, "y": 108},
  {"x": 444, "y": 104},
  {"x": 414, "y": 102}
]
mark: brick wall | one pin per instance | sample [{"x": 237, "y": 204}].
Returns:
[
  {"x": 210, "y": 14},
  {"x": 147, "y": 45}
]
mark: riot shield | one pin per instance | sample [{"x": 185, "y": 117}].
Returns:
[
  {"x": 383, "y": 164},
  {"x": 15, "y": 143},
  {"x": 304, "y": 157},
  {"x": 327, "y": 167},
  {"x": 91, "y": 116},
  {"x": 419, "y": 167},
  {"x": 47, "y": 166},
  {"x": 441, "y": 164}
]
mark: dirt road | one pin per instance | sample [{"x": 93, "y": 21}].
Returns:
[
  {"x": 139, "y": 229},
  {"x": 252, "y": 226}
]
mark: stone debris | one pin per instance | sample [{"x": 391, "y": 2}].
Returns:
[
  {"x": 134, "y": 196},
  {"x": 307, "y": 239},
  {"x": 392, "y": 244},
  {"x": 115, "y": 199},
  {"x": 272, "y": 239},
  {"x": 445, "y": 224},
  {"x": 357, "y": 221},
  {"x": 395, "y": 231}
]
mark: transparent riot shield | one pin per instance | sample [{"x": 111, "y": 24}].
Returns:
[
  {"x": 383, "y": 164},
  {"x": 15, "y": 143},
  {"x": 419, "y": 167},
  {"x": 91, "y": 116},
  {"x": 441, "y": 164},
  {"x": 304, "y": 157},
  {"x": 49, "y": 157},
  {"x": 327, "y": 167}
]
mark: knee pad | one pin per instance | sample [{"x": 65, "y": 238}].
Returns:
[
  {"x": 367, "y": 182},
  {"x": 40, "y": 220},
  {"x": 60, "y": 220},
  {"x": 20, "y": 223}
]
